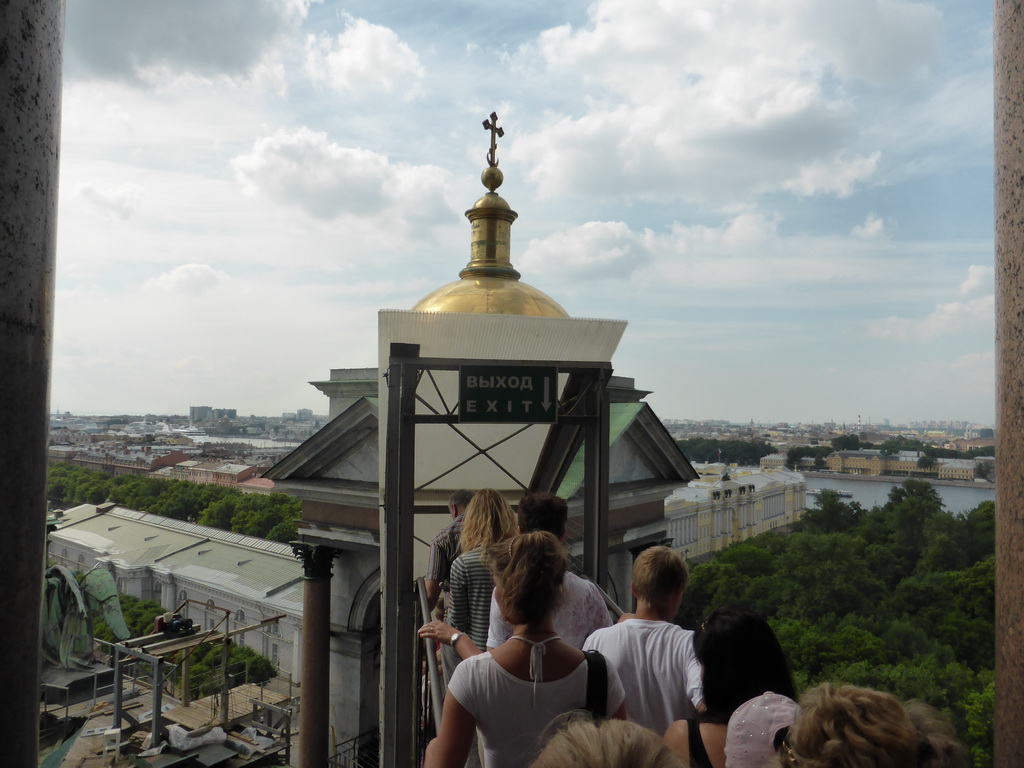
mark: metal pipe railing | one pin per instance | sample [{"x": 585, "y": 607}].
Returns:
[
  {"x": 612, "y": 606},
  {"x": 434, "y": 676}
]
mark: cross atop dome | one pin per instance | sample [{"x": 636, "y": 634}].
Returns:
[{"x": 489, "y": 284}]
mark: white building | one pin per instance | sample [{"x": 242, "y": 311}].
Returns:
[{"x": 727, "y": 505}]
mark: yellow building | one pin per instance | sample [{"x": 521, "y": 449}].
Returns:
[
  {"x": 728, "y": 505},
  {"x": 904, "y": 463}
]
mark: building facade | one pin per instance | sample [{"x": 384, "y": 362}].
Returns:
[{"x": 222, "y": 580}]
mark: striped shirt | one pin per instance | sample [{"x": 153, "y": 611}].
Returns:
[
  {"x": 443, "y": 551},
  {"x": 471, "y": 587}
]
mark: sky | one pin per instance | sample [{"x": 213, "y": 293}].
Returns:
[{"x": 789, "y": 202}]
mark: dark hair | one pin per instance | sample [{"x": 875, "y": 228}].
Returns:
[
  {"x": 543, "y": 512},
  {"x": 529, "y": 569},
  {"x": 460, "y": 499},
  {"x": 741, "y": 659}
]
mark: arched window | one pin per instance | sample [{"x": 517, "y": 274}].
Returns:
[
  {"x": 182, "y": 598},
  {"x": 240, "y": 622}
]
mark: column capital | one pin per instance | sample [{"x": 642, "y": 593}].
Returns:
[{"x": 316, "y": 559}]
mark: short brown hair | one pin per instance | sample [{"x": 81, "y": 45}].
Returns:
[
  {"x": 543, "y": 512},
  {"x": 657, "y": 573}
]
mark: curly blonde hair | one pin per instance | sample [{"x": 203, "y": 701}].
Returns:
[
  {"x": 489, "y": 519},
  {"x": 583, "y": 743},
  {"x": 850, "y": 727}
]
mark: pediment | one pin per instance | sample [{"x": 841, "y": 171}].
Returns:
[{"x": 346, "y": 448}]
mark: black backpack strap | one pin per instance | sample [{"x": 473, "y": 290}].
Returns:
[{"x": 597, "y": 684}]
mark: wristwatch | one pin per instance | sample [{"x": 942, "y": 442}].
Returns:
[{"x": 455, "y": 638}]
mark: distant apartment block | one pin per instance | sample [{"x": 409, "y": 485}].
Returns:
[
  {"x": 120, "y": 460},
  {"x": 200, "y": 413},
  {"x": 206, "y": 413}
]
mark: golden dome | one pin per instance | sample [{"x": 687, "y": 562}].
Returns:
[{"x": 489, "y": 284}]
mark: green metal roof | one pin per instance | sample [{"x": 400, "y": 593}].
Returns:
[{"x": 620, "y": 416}]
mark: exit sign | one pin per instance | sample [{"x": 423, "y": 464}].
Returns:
[{"x": 517, "y": 394}]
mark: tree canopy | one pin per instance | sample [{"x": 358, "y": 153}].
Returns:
[
  {"x": 900, "y": 597},
  {"x": 742, "y": 452},
  {"x": 269, "y": 516}
]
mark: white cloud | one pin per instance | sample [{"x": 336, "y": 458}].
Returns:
[
  {"x": 838, "y": 176},
  {"x": 979, "y": 278},
  {"x": 120, "y": 202},
  {"x": 712, "y": 101},
  {"x": 947, "y": 318},
  {"x": 595, "y": 250},
  {"x": 302, "y": 168},
  {"x": 880, "y": 41},
  {"x": 873, "y": 228},
  {"x": 148, "y": 42},
  {"x": 364, "y": 58},
  {"x": 188, "y": 279}
]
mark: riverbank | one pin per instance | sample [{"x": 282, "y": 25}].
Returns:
[{"x": 840, "y": 476}]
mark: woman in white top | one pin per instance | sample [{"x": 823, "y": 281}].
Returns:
[{"x": 512, "y": 692}]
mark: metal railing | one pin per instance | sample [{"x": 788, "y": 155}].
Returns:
[
  {"x": 362, "y": 751},
  {"x": 433, "y": 686}
]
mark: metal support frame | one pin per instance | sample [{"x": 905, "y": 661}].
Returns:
[
  {"x": 584, "y": 419},
  {"x": 155, "y": 729},
  {"x": 595, "y": 486}
]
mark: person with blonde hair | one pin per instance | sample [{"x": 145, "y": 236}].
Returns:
[
  {"x": 850, "y": 727},
  {"x": 583, "y": 742},
  {"x": 512, "y": 692},
  {"x": 489, "y": 519},
  {"x": 653, "y": 656}
]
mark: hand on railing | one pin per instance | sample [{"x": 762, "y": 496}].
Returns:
[{"x": 448, "y": 635}]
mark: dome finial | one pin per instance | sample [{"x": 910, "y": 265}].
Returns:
[
  {"x": 492, "y": 175},
  {"x": 489, "y": 284}
]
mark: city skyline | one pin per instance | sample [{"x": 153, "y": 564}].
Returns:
[
  {"x": 790, "y": 204},
  {"x": 883, "y": 424}
]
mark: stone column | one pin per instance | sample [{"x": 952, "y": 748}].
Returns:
[
  {"x": 314, "y": 723},
  {"x": 1009, "y": 218},
  {"x": 31, "y": 36}
]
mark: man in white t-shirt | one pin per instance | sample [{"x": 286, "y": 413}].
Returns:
[
  {"x": 582, "y": 608},
  {"x": 654, "y": 657}
]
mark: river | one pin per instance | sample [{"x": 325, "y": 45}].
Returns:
[{"x": 870, "y": 493}]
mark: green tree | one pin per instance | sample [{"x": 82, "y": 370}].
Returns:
[
  {"x": 220, "y": 513},
  {"x": 821, "y": 575},
  {"x": 830, "y": 514},
  {"x": 846, "y": 443},
  {"x": 138, "y": 615},
  {"x": 979, "y": 713},
  {"x": 742, "y": 452}
]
